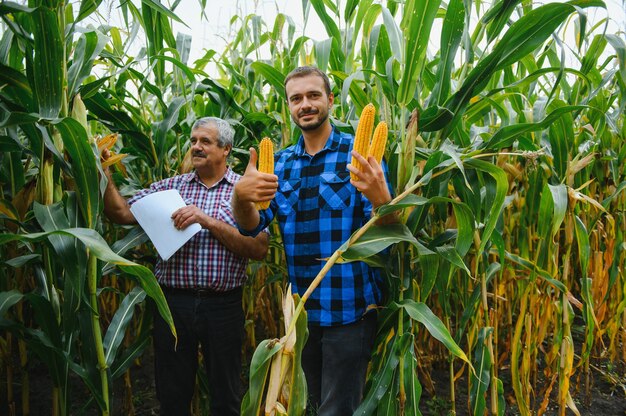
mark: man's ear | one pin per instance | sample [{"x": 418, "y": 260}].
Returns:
[{"x": 331, "y": 100}]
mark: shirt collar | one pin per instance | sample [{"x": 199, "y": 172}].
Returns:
[
  {"x": 229, "y": 176},
  {"x": 331, "y": 144}
]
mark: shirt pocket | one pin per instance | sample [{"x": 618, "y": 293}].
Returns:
[
  {"x": 287, "y": 195},
  {"x": 335, "y": 192},
  {"x": 225, "y": 213}
]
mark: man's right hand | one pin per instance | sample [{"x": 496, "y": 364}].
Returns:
[{"x": 255, "y": 186}]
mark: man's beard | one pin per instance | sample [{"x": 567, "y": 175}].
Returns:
[{"x": 315, "y": 125}]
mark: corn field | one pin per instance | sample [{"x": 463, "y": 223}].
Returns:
[{"x": 506, "y": 150}]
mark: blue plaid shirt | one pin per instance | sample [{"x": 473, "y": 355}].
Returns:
[{"x": 318, "y": 210}]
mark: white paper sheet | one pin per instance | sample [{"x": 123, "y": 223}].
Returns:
[{"x": 154, "y": 213}]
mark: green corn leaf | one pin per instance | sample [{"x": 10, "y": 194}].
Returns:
[
  {"x": 99, "y": 247},
  {"x": 482, "y": 377},
  {"x": 87, "y": 7},
  {"x": 117, "y": 328},
  {"x": 160, "y": 9},
  {"x": 17, "y": 88},
  {"x": 88, "y": 48},
  {"x": 382, "y": 380},
  {"x": 451, "y": 32},
  {"x": 170, "y": 119},
  {"x": 504, "y": 137},
  {"x": 416, "y": 25},
  {"x": 274, "y": 77},
  {"x": 259, "y": 372},
  {"x": 8, "y": 299},
  {"x": 298, "y": 396},
  {"x": 412, "y": 386},
  {"x": 497, "y": 204},
  {"x": 48, "y": 62},
  {"x": 450, "y": 254},
  {"x": 378, "y": 238},
  {"x": 560, "y": 198},
  {"x": 84, "y": 168},
  {"x": 130, "y": 354},
  {"x": 420, "y": 312}
]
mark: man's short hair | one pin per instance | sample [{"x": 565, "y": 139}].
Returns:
[
  {"x": 304, "y": 71},
  {"x": 225, "y": 133}
]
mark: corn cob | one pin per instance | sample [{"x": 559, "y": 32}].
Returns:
[
  {"x": 107, "y": 142},
  {"x": 363, "y": 134},
  {"x": 115, "y": 157},
  {"x": 379, "y": 142},
  {"x": 266, "y": 164}
]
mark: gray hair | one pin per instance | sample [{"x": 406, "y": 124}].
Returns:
[{"x": 225, "y": 133}]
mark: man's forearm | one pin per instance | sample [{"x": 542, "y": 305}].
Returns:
[
  {"x": 247, "y": 247},
  {"x": 245, "y": 214},
  {"x": 115, "y": 206}
]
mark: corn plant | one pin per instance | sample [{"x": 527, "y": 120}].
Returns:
[{"x": 505, "y": 150}]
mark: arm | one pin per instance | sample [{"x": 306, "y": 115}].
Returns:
[
  {"x": 247, "y": 247},
  {"x": 373, "y": 184},
  {"x": 253, "y": 186},
  {"x": 115, "y": 206}
]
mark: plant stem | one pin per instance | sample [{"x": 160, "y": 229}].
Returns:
[{"x": 95, "y": 327}]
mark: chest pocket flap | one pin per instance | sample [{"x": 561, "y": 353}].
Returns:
[{"x": 335, "y": 190}]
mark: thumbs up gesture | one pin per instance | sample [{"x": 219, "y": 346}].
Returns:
[{"x": 255, "y": 186}]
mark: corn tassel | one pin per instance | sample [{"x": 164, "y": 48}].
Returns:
[
  {"x": 266, "y": 165},
  {"x": 379, "y": 142},
  {"x": 362, "y": 137}
]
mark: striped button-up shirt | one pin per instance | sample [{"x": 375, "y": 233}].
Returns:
[
  {"x": 203, "y": 262},
  {"x": 317, "y": 210}
]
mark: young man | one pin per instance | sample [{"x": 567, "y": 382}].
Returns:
[
  {"x": 202, "y": 281},
  {"x": 318, "y": 207}
]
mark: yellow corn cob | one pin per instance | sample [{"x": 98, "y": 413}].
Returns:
[
  {"x": 113, "y": 159},
  {"x": 363, "y": 134},
  {"x": 379, "y": 142},
  {"x": 107, "y": 142},
  {"x": 266, "y": 164}
]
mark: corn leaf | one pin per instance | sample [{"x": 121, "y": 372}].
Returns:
[
  {"x": 84, "y": 168},
  {"x": 420, "y": 312},
  {"x": 8, "y": 299},
  {"x": 88, "y": 48},
  {"x": 259, "y": 371},
  {"x": 117, "y": 328},
  {"x": 481, "y": 378},
  {"x": 382, "y": 380},
  {"x": 99, "y": 247},
  {"x": 416, "y": 25},
  {"x": 48, "y": 62},
  {"x": 378, "y": 238}
]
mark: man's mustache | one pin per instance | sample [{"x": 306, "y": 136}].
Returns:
[
  {"x": 308, "y": 112},
  {"x": 198, "y": 153}
]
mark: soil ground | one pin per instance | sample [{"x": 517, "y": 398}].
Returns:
[{"x": 606, "y": 398}]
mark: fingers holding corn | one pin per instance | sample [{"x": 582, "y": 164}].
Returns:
[
  {"x": 365, "y": 169},
  {"x": 258, "y": 185},
  {"x": 108, "y": 157},
  {"x": 266, "y": 165}
]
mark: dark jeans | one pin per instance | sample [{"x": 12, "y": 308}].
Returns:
[
  {"x": 335, "y": 361},
  {"x": 217, "y": 324}
]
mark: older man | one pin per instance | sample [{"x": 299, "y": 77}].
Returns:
[{"x": 202, "y": 281}]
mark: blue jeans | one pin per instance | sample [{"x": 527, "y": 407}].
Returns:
[
  {"x": 216, "y": 323},
  {"x": 335, "y": 361}
]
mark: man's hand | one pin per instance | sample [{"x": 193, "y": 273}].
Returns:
[
  {"x": 255, "y": 186},
  {"x": 371, "y": 181},
  {"x": 191, "y": 214}
]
